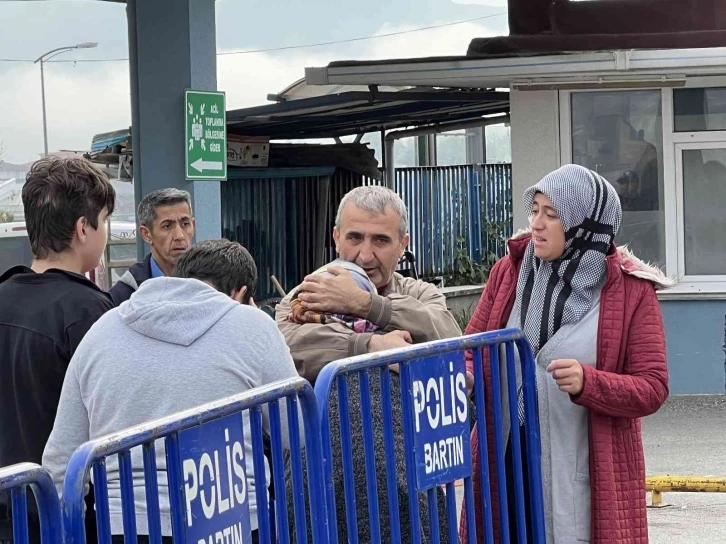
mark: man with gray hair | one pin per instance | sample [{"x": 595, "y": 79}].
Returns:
[
  {"x": 371, "y": 231},
  {"x": 371, "y": 235},
  {"x": 166, "y": 223}
]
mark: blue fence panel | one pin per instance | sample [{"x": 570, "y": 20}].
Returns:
[
  {"x": 496, "y": 204},
  {"x": 439, "y": 203},
  {"x": 431, "y": 421},
  {"x": 195, "y": 435},
  {"x": 15, "y": 480},
  {"x": 451, "y": 203}
]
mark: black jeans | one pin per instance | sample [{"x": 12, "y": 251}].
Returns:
[{"x": 511, "y": 501}]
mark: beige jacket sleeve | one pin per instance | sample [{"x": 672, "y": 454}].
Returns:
[
  {"x": 412, "y": 305},
  {"x": 313, "y": 346},
  {"x": 417, "y": 307}
]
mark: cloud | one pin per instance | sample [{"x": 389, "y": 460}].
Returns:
[
  {"x": 248, "y": 79},
  {"x": 80, "y": 102},
  {"x": 445, "y": 41},
  {"x": 84, "y": 100}
]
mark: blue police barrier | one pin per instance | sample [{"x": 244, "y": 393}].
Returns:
[
  {"x": 435, "y": 437},
  {"x": 205, "y": 468},
  {"x": 16, "y": 479}
]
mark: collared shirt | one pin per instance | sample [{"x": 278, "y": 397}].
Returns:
[{"x": 156, "y": 272}]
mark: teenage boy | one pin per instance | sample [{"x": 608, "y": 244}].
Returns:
[{"x": 45, "y": 310}]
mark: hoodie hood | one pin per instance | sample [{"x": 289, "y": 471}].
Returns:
[{"x": 175, "y": 310}]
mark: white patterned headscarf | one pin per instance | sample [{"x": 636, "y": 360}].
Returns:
[{"x": 554, "y": 293}]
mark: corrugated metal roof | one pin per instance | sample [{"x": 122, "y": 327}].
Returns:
[
  {"x": 109, "y": 139},
  {"x": 360, "y": 112},
  {"x": 348, "y": 113}
]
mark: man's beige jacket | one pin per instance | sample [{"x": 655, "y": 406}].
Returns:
[{"x": 407, "y": 304}]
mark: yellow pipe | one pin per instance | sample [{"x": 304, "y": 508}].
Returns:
[{"x": 687, "y": 484}]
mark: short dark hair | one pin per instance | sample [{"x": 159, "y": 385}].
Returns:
[
  {"x": 228, "y": 266},
  {"x": 56, "y": 194},
  {"x": 162, "y": 197}
]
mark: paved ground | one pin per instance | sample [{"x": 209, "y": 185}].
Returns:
[{"x": 688, "y": 436}]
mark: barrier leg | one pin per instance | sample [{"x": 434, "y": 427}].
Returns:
[
  {"x": 656, "y": 500},
  {"x": 20, "y": 515}
]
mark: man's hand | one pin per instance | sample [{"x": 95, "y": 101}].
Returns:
[
  {"x": 391, "y": 340},
  {"x": 336, "y": 294},
  {"x": 568, "y": 375}
]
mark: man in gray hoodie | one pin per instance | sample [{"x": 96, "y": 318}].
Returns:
[{"x": 178, "y": 342}]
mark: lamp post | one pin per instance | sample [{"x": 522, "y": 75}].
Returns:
[{"x": 45, "y": 57}]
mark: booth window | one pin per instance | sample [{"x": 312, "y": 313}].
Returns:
[
  {"x": 619, "y": 134},
  {"x": 699, "y": 109},
  {"x": 404, "y": 149},
  {"x": 704, "y": 191},
  {"x": 451, "y": 148}
]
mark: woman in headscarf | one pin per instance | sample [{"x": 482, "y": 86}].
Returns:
[{"x": 590, "y": 313}]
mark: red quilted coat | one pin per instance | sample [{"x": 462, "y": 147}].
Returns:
[{"x": 629, "y": 382}]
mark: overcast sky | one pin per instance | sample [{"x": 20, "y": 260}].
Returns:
[{"x": 84, "y": 99}]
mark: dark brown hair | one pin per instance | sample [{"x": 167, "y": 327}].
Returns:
[
  {"x": 226, "y": 265},
  {"x": 56, "y": 194}
]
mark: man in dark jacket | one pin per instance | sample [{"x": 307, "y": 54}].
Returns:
[
  {"x": 47, "y": 309},
  {"x": 167, "y": 225}
]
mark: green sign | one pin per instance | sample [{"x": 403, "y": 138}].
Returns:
[{"x": 206, "y": 135}]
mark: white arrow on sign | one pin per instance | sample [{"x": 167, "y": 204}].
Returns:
[{"x": 201, "y": 165}]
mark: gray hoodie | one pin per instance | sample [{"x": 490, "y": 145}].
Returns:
[{"x": 176, "y": 344}]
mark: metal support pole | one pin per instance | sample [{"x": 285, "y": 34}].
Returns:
[
  {"x": 389, "y": 146},
  {"x": 45, "y": 123}
]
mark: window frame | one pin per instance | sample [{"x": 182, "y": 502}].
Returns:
[
  {"x": 713, "y": 286},
  {"x": 680, "y": 204}
]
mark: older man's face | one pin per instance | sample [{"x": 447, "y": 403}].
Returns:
[{"x": 371, "y": 241}]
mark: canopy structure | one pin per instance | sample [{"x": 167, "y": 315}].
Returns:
[{"x": 362, "y": 112}]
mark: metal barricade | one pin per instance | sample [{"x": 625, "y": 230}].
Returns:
[
  {"x": 190, "y": 433},
  {"x": 16, "y": 479},
  {"x": 435, "y": 438}
]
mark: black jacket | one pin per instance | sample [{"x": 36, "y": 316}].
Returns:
[
  {"x": 43, "y": 318},
  {"x": 130, "y": 281}
]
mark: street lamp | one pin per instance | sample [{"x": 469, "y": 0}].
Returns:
[{"x": 45, "y": 57}]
